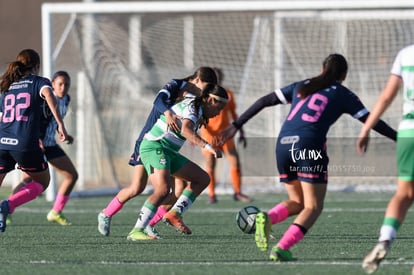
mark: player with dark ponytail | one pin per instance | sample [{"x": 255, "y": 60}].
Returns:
[{"x": 316, "y": 104}]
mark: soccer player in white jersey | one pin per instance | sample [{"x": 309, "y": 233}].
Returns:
[
  {"x": 402, "y": 75},
  {"x": 160, "y": 156},
  {"x": 166, "y": 97},
  {"x": 316, "y": 104}
]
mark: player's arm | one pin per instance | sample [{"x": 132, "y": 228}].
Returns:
[
  {"x": 268, "y": 100},
  {"x": 161, "y": 105},
  {"x": 50, "y": 99},
  {"x": 385, "y": 99},
  {"x": 381, "y": 127},
  {"x": 188, "y": 132}
]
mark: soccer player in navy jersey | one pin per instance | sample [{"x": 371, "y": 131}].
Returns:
[
  {"x": 22, "y": 93},
  {"x": 166, "y": 97},
  {"x": 301, "y": 155}
]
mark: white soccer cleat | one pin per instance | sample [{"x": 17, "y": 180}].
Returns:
[{"x": 373, "y": 259}]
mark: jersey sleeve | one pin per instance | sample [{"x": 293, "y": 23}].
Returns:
[
  {"x": 42, "y": 83},
  {"x": 353, "y": 105},
  {"x": 167, "y": 95},
  {"x": 190, "y": 111},
  {"x": 286, "y": 93},
  {"x": 396, "y": 68}
]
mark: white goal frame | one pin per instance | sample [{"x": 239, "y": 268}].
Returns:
[{"x": 279, "y": 7}]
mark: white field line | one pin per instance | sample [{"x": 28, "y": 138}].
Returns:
[{"x": 208, "y": 263}]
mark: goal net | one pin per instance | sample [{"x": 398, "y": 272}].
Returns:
[{"x": 120, "y": 54}]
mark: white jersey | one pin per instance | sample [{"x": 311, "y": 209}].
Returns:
[
  {"x": 50, "y": 135},
  {"x": 404, "y": 67},
  {"x": 184, "y": 109}
]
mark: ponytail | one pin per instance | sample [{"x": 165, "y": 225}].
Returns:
[
  {"x": 335, "y": 68},
  {"x": 14, "y": 72},
  {"x": 25, "y": 63}
]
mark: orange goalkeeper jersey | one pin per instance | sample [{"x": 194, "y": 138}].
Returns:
[{"x": 221, "y": 121}]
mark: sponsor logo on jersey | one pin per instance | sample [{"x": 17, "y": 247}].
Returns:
[
  {"x": 289, "y": 139},
  {"x": 9, "y": 141}
]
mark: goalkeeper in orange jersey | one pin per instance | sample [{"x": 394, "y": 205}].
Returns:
[{"x": 210, "y": 132}]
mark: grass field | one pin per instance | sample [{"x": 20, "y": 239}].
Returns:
[{"x": 347, "y": 229}]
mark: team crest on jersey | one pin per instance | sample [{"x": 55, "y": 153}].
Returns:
[{"x": 163, "y": 160}]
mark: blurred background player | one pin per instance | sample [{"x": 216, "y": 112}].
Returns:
[
  {"x": 402, "y": 74},
  {"x": 211, "y": 133},
  {"x": 53, "y": 152}
]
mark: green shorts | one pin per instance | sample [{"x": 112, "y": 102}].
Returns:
[
  {"x": 154, "y": 155},
  {"x": 405, "y": 154}
]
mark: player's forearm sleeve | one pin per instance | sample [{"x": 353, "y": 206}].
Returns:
[
  {"x": 385, "y": 130},
  {"x": 382, "y": 127},
  {"x": 268, "y": 100}
]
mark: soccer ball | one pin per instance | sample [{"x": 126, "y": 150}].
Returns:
[{"x": 246, "y": 219}]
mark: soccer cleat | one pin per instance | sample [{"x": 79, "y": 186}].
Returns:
[
  {"x": 4, "y": 212},
  {"x": 373, "y": 259},
  {"x": 152, "y": 232},
  {"x": 9, "y": 219},
  {"x": 174, "y": 219},
  {"x": 138, "y": 234},
  {"x": 241, "y": 197},
  {"x": 279, "y": 255},
  {"x": 263, "y": 228},
  {"x": 212, "y": 200},
  {"x": 57, "y": 217},
  {"x": 104, "y": 224}
]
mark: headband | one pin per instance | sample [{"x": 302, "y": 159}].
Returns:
[{"x": 219, "y": 98}]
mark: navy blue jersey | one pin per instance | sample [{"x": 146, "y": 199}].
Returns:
[
  {"x": 165, "y": 98},
  {"x": 21, "y": 114},
  {"x": 313, "y": 116}
]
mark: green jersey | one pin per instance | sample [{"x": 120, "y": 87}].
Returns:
[{"x": 184, "y": 109}]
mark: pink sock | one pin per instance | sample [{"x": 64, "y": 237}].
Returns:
[
  {"x": 158, "y": 216},
  {"x": 27, "y": 193},
  {"x": 113, "y": 207},
  {"x": 60, "y": 202},
  {"x": 278, "y": 214},
  {"x": 291, "y": 237}
]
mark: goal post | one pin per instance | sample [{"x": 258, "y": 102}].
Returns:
[{"x": 120, "y": 53}]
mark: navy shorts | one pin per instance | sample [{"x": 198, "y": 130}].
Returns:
[
  {"x": 31, "y": 161},
  {"x": 135, "y": 158},
  {"x": 53, "y": 152},
  {"x": 302, "y": 159}
]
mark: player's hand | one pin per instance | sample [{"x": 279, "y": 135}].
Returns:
[
  {"x": 362, "y": 143},
  {"x": 63, "y": 135},
  {"x": 69, "y": 139},
  {"x": 41, "y": 145},
  {"x": 242, "y": 139},
  {"x": 172, "y": 119},
  {"x": 214, "y": 151},
  {"x": 227, "y": 133}
]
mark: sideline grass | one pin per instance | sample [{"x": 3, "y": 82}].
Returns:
[{"x": 347, "y": 229}]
